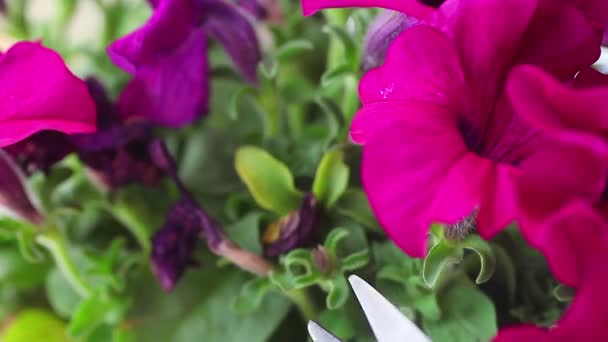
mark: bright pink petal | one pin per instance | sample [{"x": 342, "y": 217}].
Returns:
[
  {"x": 522, "y": 334},
  {"x": 410, "y": 7},
  {"x": 500, "y": 203},
  {"x": 409, "y": 163},
  {"x": 487, "y": 35},
  {"x": 553, "y": 106},
  {"x": 38, "y": 92},
  {"x": 590, "y": 78},
  {"x": 571, "y": 44},
  {"x": 420, "y": 66},
  {"x": 596, "y": 10},
  {"x": 173, "y": 90}
]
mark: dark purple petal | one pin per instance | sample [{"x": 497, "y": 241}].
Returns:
[
  {"x": 225, "y": 22},
  {"x": 14, "y": 195},
  {"x": 186, "y": 222},
  {"x": 173, "y": 90},
  {"x": 380, "y": 34},
  {"x": 119, "y": 155},
  {"x": 296, "y": 229},
  {"x": 165, "y": 31},
  {"x": 254, "y": 7},
  {"x": 40, "y": 151},
  {"x": 2, "y": 6},
  {"x": 107, "y": 115},
  {"x": 174, "y": 244}
]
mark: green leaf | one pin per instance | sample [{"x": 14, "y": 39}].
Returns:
[
  {"x": 348, "y": 44},
  {"x": 209, "y": 319},
  {"x": 269, "y": 181},
  {"x": 338, "y": 292},
  {"x": 468, "y": 315},
  {"x": 355, "y": 261},
  {"x": 337, "y": 321},
  {"x": 331, "y": 178},
  {"x": 14, "y": 270},
  {"x": 333, "y": 239},
  {"x": 428, "y": 306},
  {"x": 235, "y": 100},
  {"x": 437, "y": 260},
  {"x": 293, "y": 48},
  {"x": 94, "y": 311},
  {"x": 487, "y": 258},
  {"x": 28, "y": 247},
  {"x": 333, "y": 75},
  {"x": 268, "y": 68},
  {"x": 35, "y": 325},
  {"x": 246, "y": 232},
  {"x": 354, "y": 204},
  {"x": 251, "y": 295},
  {"x": 62, "y": 297}
]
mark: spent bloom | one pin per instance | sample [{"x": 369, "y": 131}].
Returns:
[
  {"x": 441, "y": 141},
  {"x": 116, "y": 154},
  {"x": 167, "y": 57}
]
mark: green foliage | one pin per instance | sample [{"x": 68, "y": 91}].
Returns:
[
  {"x": 269, "y": 181},
  {"x": 84, "y": 274},
  {"x": 331, "y": 179},
  {"x": 34, "y": 325}
]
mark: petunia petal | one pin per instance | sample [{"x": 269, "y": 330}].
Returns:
[
  {"x": 572, "y": 44},
  {"x": 413, "y": 8},
  {"x": 227, "y": 24},
  {"x": 173, "y": 90},
  {"x": 400, "y": 179},
  {"x": 553, "y": 106},
  {"x": 39, "y": 93},
  {"x": 165, "y": 31},
  {"x": 487, "y": 35},
  {"x": 420, "y": 66}
]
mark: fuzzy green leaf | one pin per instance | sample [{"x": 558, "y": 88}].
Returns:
[
  {"x": 331, "y": 178},
  {"x": 269, "y": 181},
  {"x": 487, "y": 258},
  {"x": 437, "y": 260}
]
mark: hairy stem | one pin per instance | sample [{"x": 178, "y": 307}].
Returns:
[{"x": 55, "y": 244}]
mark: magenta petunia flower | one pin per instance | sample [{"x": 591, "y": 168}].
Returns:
[
  {"x": 583, "y": 235},
  {"x": 580, "y": 108},
  {"x": 38, "y": 92},
  {"x": 167, "y": 57},
  {"x": 441, "y": 142}
]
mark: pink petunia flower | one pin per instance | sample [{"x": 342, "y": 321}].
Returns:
[
  {"x": 580, "y": 234},
  {"x": 38, "y": 92},
  {"x": 580, "y": 108},
  {"x": 441, "y": 141}
]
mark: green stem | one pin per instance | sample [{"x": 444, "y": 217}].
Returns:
[
  {"x": 302, "y": 300},
  {"x": 55, "y": 244},
  {"x": 134, "y": 224}
]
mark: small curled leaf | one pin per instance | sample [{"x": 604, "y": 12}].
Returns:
[
  {"x": 486, "y": 255},
  {"x": 437, "y": 261}
]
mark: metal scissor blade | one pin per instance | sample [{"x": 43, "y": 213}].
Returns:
[
  {"x": 387, "y": 322},
  {"x": 319, "y": 334}
]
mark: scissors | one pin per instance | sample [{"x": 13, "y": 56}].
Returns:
[{"x": 387, "y": 322}]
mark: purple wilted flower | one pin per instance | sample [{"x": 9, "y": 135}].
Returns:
[
  {"x": 294, "y": 230},
  {"x": 167, "y": 57},
  {"x": 117, "y": 153},
  {"x": 185, "y": 224},
  {"x": 380, "y": 34}
]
